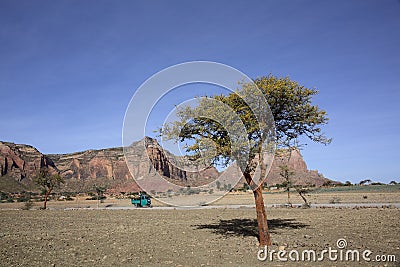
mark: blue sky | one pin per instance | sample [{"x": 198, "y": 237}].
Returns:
[{"x": 68, "y": 69}]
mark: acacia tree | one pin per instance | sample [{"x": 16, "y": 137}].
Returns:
[
  {"x": 286, "y": 173},
  {"x": 294, "y": 116},
  {"x": 48, "y": 182},
  {"x": 99, "y": 191}
]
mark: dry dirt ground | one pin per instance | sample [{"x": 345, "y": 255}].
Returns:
[
  {"x": 355, "y": 197},
  {"x": 212, "y": 237}
]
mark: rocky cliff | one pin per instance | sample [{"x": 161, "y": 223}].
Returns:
[
  {"x": 295, "y": 162},
  {"x": 82, "y": 169},
  {"x": 105, "y": 166},
  {"x": 21, "y": 161}
]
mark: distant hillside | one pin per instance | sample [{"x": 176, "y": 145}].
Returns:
[{"x": 19, "y": 164}]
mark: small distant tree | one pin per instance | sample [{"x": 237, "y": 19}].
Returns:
[
  {"x": 348, "y": 183},
  {"x": 365, "y": 182},
  {"x": 229, "y": 187},
  {"x": 393, "y": 182},
  {"x": 302, "y": 191},
  {"x": 48, "y": 182},
  {"x": 286, "y": 173},
  {"x": 246, "y": 186},
  {"x": 27, "y": 205},
  {"x": 218, "y": 183},
  {"x": 99, "y": 191}
]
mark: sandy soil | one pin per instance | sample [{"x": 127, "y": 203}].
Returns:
[
  {"x": 215, "y": 237},
  {"x": 236, "y": 199}
]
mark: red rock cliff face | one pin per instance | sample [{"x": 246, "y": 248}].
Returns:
[
  {"x": 296, "y": 163},
  {"x": 22, "y": 163}
]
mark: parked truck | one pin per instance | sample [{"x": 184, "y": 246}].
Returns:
[{"x": 142, "y": 200}]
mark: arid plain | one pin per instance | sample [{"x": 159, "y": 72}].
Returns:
[{"x": 76, "y": 233}]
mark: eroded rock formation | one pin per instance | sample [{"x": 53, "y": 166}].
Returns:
[{"x": 22, "y": 162}]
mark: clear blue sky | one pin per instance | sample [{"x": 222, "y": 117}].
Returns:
[{"x": 69, "y": 68}]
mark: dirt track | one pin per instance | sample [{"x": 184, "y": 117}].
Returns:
[{"x": 216, "y": 237}]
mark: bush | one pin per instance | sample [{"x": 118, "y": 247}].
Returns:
[
  {"x": 335, "y": 200},
  {"x": 23, "y": 199},
  {"x": 27, "y": 205},
  {"x": 95, "y": 198}
]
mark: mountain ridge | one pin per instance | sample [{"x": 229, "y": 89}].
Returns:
[{"x": 82, "y": 169}]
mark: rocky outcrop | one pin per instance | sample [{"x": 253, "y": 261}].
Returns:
[
  {"x": 301, "y": 175},
  {"x": 22, "y": 162}
]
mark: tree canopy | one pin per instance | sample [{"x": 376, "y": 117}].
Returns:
[
  {"x": 210, "y": 124},
  {"x": 48, "y": 182}
]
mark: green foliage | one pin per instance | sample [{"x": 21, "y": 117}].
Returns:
[
  {"x": 99, "y": 190},
  {"x": 377, "y": 183},
  {"x": 246, "y": 187},
  {"x": 364, "y": 182},
  {"x": 293, "y": 111},
  {"x": 23, "y": 199},
  {"x": 218, "y": 183},
  {"x": 286, "y": 173},
  {"x": 206, "y": 124},
  {"x": 96, "y": 198},
  {"x": 357, "y": 188},
  {"x": 48, "y": 181},
  {"x": 348, "y": 183},
  {"x": 3, "y": 195}
]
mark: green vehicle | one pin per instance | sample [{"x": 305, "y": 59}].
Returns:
[{"x": 142, "y": 200}]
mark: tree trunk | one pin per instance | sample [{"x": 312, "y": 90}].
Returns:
[
  {"x": 263, "y": 232},
  {"x": 303, "y": 197},
  {"x": 45, "y": 200},
  {"x": 265, "y": 239}
]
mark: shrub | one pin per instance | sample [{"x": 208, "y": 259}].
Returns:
[
  {"x": 335, "y": 200},
  {"x": 23, "y": 199},
  {"x": 95, "y": 198},
  {"x": 27, "y": 205}
]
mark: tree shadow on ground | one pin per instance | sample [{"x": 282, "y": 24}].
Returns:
[{"x": 248, "y": 227}]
